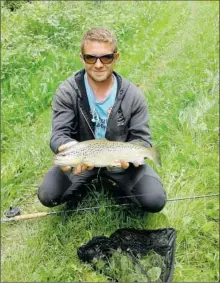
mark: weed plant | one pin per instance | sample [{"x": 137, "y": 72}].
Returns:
[{"x": 122, "y": 267}]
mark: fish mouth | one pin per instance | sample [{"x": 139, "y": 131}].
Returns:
[
  {"x": 65, "y": 161},
  {"x": 58, "y": 160}
]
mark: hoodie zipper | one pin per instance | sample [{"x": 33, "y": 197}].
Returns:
[
  {"x": 115, "y": 106},
  {"x": 81, "y": 110},
  {"x": 87, "y": 122},
  {"x": 114, "y": 110}
]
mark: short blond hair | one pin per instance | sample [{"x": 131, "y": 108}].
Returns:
[{"x": 99, "y": 34}]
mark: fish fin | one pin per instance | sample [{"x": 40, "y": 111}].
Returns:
[
  {"x": 115, "y": 164},
  {"x": 139, "y": 161},
  {"x": 86, "y": 164},
  {"x": 139, "y": 142},
  {"x": 103, "y": 139},
  {"x": 142, "y": 143},
  {"x": 110, "y": 167}
]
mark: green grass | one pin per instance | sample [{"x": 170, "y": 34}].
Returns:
[{"x": 170, "y": 50}]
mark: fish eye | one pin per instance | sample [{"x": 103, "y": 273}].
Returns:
[{"x": 62, "y": 154}]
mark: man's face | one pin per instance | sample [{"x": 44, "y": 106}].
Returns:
[{"x": 98, "y": 71}]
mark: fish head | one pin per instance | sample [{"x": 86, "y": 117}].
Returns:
[{"x": 67, "y": 158}]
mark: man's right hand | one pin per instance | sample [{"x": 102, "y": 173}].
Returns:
[
  {"x": 79, "y": 168},
  {"x": 62, "y": 148}
]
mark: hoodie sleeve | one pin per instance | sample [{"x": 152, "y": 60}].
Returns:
[
  {"x": 139, "y": 130},
  {"x": 64, "y": 117}
]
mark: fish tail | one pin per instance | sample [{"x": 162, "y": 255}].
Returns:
[{"x": 154, "y": 154}]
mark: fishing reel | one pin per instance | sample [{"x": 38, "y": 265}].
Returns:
[{"x": 12, "y": 212}]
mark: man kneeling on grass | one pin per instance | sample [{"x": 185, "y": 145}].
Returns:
[{"x": 95, "y": 103}]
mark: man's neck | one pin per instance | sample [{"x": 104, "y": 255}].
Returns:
[{"x": 101, "y": 89}]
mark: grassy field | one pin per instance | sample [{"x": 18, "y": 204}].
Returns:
[{"x": 170, "y": 50}]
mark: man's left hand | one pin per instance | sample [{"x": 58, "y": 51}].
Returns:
[{"x": 125, "y": 164}]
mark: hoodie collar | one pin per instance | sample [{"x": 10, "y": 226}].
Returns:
[{"x": 79, "y": 85}]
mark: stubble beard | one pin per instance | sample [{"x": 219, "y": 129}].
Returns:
[{"x": 98, "y": 79}]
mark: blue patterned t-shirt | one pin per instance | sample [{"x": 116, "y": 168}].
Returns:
[{"x": 100, "y": 110}]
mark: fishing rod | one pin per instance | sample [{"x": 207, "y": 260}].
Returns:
[{"x": 43, "y": 214}]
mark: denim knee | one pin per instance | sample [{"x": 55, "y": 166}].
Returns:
[
  {"x": 45, "y": 199},
  {"x": 154, "y": 205}
]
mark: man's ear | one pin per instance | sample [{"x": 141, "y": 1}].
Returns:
[
  {"x": 117, "y": 56},
  {"x": 81, "y": 57}
]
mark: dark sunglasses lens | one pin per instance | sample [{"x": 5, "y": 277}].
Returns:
[
  {"x": 107, "y": 59},
  {"x": 89, "y": 59}
]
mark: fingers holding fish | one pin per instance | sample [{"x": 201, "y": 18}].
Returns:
[
  {"x": 124, "y": 164},
  {"x": 65, "y": 168},
  {"x": 66, "y": 145},
  {"x": 90, "y": 167},
  {"x": 136, "y": 164},
  {"x": 81, "y": 168}
]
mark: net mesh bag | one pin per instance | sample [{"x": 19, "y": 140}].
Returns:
[{"x": 132, "y": 255}]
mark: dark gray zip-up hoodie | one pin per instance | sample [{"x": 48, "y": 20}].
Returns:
[{"x": 72, "y": 120}]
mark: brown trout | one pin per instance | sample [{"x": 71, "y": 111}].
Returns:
[{"x": 104, "y": 153}]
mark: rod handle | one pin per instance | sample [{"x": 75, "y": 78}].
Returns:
[{"x": 25, "y": 216}]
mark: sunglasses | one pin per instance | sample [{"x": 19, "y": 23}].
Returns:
[{"x": 105, "y": 59}]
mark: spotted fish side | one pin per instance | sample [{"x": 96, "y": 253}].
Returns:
[{"x": 103, "y": 153}]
